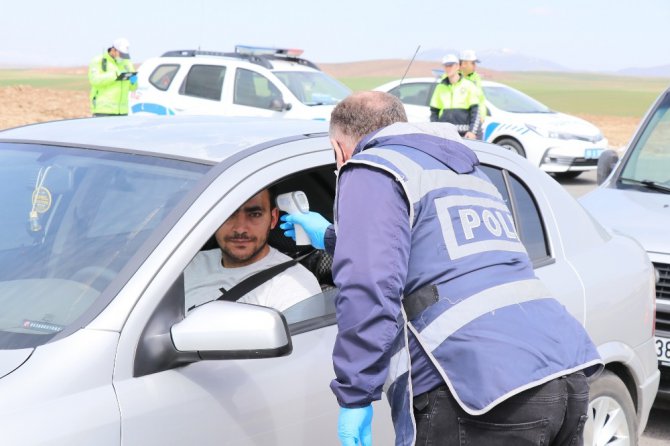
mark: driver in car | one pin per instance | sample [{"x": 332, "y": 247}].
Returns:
[{"x": 243, "y": 251}]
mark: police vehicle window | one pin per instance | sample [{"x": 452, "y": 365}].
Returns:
[
  {"x": 529, "y": 221},
  {"x": 254, "y": 90},
  {"x": 204, "y": 81},
  {"x": 414, "y": 94},
  {"x": 163, "y": 75}
]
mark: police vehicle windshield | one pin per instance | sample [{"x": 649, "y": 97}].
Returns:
[
  {"x": 513, "y": 101},
  {"x": 313, "y": 87},
  {"x": 71, "y": 220}
]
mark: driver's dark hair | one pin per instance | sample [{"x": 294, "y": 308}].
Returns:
[
  {"x": 272, "y": 190},
  {"x": 366, "y": 111}
]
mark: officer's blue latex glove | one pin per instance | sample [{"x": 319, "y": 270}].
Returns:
[
  {"x": 133, "y": 79},
  {"x": 354, "y": 426},
  {"x": 312, "y": 222}
]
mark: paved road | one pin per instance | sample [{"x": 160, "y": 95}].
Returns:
[{"x": 657, "y": 432}]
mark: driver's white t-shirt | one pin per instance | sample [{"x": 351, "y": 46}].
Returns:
[{"x": 205, "y": 275}]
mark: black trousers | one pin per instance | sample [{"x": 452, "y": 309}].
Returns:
[{"x": 553, "y": 413}]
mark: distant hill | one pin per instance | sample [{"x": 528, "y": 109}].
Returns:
[
  {"x": 660, "y": 71},
  {"x": 392, "y": 68},
  {"x": 499, "y": 60},
  {"x": 510, "y": 60}
]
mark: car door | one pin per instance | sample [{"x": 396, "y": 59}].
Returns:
[
  {"x": 284, "y": 400},
  {"x": 200, "y": 92},
  {"x": 255, "y": 95},
  {"x": 534, "y": 219},
  {"x": 416, "y": 98}
]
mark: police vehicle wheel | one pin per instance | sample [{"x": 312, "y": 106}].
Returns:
[
  {"x": 611, "y": 416},
  {"x": 567, "y": 175},
  {"x": 512, "y": 145}
]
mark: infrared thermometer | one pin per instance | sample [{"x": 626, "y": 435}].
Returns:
[{"x": 295, "y": 203}]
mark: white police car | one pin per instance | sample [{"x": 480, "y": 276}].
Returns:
[
  {"x": 561, "y": 144},
  {"x": 252, "y": 81}
]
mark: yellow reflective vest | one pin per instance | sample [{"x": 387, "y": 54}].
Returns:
[
  {"x": 476, "y": 79},
  {"x": 108, "y": 95},
  {"x": 456, "y": 103}
]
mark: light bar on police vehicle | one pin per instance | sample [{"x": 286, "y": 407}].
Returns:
[
  {"x": 438, "y": 72},
  {"x": 268, "y": 51}
]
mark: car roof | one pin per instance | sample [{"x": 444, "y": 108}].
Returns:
[
  {"x": 409, "y": 80},
  {"x": 207, "y": 139},
  {"x": 267, "y": 61}
]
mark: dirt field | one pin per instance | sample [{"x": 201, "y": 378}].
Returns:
[{"x": 22, "y": 104}]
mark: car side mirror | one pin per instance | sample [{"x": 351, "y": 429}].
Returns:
[
  {"x": 278, "y": 104},
  {"x": 606, "y": 163},
  {"x": 230, "y": 330}
]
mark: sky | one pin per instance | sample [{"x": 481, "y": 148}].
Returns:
[{"x": 589, "y": 35}]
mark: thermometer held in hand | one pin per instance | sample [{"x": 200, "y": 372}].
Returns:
[{"x": 295, "y": 203}]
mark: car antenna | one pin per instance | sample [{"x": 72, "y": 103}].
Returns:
[{"x": 410, "y": 64}]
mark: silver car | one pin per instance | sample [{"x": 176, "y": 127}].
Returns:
[
  {"x": 634, "y": 198},
  {"x": 100, "y": 217}
]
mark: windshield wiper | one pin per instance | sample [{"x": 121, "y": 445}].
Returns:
[{"x": 648, "y": 184}]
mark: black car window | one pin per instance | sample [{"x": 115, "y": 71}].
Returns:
[
  {"x": 527, "y": 218},
  {"x": 204, "y": 81},
  {"x": 254, "y": 90},
  {"x": 417, "y": 93},
  {"x": 163, "y": 75}
]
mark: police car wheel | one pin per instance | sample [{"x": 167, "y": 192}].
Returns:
[
  {"x": 567, "y": 175},
  {"x": 513, "y": 145},
  {"x": 611, "y": 415}
]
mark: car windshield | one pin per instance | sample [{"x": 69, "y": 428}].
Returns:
[
  {"x": 313, "y": 87},
  {"x": 649, "y": 159},
  {"x": 513, "y": 101},
  {"x": 71, "y": 220}
]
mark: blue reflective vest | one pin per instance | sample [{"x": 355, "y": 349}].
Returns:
[{"x": 495, "y": 330}]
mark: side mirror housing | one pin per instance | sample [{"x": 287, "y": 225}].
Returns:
[
  {"x": 229, "y": 330},
  {"x": 606, "y": 163},
  {"x": 278, "y": 104}
]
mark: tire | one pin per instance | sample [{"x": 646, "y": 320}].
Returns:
[
  {"x": 612, "y": 418},
  {"x": 567, "y": 175},
  {"x": 512, "y": 145}
]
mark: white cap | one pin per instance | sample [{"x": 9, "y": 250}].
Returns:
[
  {"x": 468, "y": 55},
  {"x": 122, "y": 46},
  {"x": 449, "y": 59}
]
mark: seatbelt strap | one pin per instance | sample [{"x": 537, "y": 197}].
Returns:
[{"x": 257, "y": 279}]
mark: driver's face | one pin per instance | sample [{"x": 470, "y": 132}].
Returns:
[{"x": 243, "y": 237}]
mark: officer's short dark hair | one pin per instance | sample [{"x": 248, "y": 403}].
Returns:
[{"x": 364, "y": 112}]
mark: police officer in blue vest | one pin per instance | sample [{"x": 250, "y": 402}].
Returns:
[{"x": 438, "y": 304}]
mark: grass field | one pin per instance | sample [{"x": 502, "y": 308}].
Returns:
[
  {"x": 570, "y": 93},
  {"x": 590, "y": 94},
  {"x": 43, "y": 79}
]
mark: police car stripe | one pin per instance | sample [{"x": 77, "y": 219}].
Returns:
[{"x": 487, "y": 301}]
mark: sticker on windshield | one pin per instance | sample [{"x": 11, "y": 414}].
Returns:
[
  {"x": 42, "y": 326},
  {"x": 41, "y": 200}
]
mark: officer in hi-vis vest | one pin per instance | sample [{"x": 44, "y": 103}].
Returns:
[
  {"x": 112, "y": 76},
  {"x": 438, "y": 303}
]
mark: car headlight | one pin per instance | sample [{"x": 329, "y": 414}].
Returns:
[{"x": 551, "y": 133}]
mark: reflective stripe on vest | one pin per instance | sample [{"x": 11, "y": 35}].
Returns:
[{"x": 459, "y": 315}]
